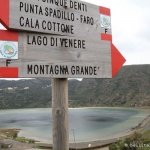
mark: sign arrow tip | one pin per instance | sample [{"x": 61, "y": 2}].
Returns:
[{"x": 117, "y": 60}]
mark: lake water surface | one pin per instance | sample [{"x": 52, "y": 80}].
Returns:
[{"x": 89, "y": 124}]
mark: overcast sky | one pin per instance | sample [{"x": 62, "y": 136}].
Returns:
[{"x": 130, "y": 28}]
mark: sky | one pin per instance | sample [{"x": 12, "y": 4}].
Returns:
[
  {"x": 130, "y": 28},
  {"x": 130, "y": 24}
]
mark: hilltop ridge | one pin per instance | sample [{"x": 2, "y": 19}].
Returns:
[{"x": 130, "y": 87}]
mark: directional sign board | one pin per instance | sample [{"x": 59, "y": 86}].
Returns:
[
  {"x": 60, "y": 39},
  {"x": 43, "y": 55},
  {"x": 62, "y": 17}
]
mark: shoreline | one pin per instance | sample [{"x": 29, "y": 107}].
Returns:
[
  {"x": 114, "y": 138},
  {"x": 125, "y": 107},
  {"x": 102, "y": 141},
  {"x": 107, "y": 137}
]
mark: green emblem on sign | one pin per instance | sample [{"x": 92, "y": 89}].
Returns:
[
  {"x": 105, "y": 21},
  {"x": 8, "y": 50}
]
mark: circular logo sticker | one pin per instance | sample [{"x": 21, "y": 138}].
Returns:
[
  {"x": 105, "y": 21},
  {"x": 8, "y": 50}
]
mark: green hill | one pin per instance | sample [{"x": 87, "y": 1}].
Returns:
[{"x": 130, "y": 87}]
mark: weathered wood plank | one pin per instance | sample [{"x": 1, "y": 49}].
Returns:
[
  {"x": 83, "y": 19},
  {"x": 36, "y": 60},
  {"x": 60, "y": 114}
]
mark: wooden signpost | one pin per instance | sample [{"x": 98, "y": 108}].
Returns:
[{"x": 58, "y": 39}]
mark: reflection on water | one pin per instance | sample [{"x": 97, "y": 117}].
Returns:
[{"x": 88, "y": 124}]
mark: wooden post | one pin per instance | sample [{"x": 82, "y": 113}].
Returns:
[{"x": 60, "y": 114}]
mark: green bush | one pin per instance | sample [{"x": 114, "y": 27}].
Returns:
[
  {"x": 114, "y": 147},
  {"x": 24, "y": 140}
]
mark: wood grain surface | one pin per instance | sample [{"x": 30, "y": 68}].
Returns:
[
  {"x": 34, "y": 15},
  {"x": 60, "y": 114},
  {"x": 94, "y": 56}
]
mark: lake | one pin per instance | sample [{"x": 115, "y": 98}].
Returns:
[{"x": 89, "y": 124}]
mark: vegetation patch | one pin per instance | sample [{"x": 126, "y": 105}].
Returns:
[
  {"x": 136, "y": 141},
  {"x": 42, "y": 147},
  {"x": 10, "y": 133},
  {"x": 146, "y": 134},
  {"x": 25, "y": 140},
  {"x": 13, "y": 134}
]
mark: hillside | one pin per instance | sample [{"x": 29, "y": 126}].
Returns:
[{"x": 130, "y": 87}]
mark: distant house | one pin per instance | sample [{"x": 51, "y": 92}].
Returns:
[
  {"x": 9, "y": 88},
  {"x": 26, "y": 88}
]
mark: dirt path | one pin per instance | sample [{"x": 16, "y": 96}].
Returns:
[
  {"x": 104, "y": 148},
  {"x": 17, "y": 145}
]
